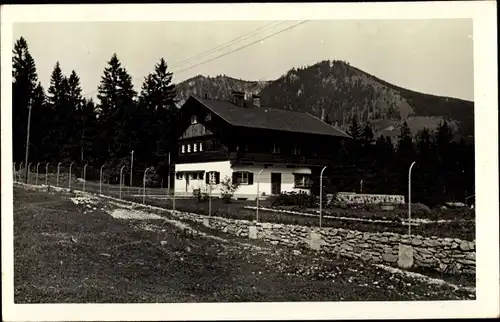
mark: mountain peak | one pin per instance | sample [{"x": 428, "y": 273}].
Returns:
[{"x": 343, "y": 91}]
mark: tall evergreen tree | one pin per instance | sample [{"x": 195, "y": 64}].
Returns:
[
  {"x": 61, "y": 116},
  {"x": 158, "y": 108},
  {"x": 355, "y": 130},
  {"x": 116, "y": 112},
  {"x": 87, "y": 131},
  {"x": 405, "y": 148},
  {"x": 445, "y": 159},
  {"x": 24, "y": 82},
  {"x": 75, "y": 105},
  {"x": 40, "y": 117}
]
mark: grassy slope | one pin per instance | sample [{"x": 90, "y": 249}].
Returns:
[{"x": 65, "y": 255}]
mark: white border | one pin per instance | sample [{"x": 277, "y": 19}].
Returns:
[{"x": 483, "y": 14}]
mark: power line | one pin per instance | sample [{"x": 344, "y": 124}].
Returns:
[
  {"x": 228, "y": 44},
  {"x": 242, "y": 47}
]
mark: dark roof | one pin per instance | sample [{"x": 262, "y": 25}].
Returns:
[{"x": 270, "y": 118}]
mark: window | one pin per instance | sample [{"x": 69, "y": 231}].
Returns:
[
  {"x": 243, "y": 177},
  {"x": 302, "y": 180},
  {"x": 194, "y": 119},
  {"x": 208, "y": 117},
  {"x": 198, "y": 175},
  {"x": 183, "y": 149},
  {"x": 189, "y": 148},
  {"x": 212, "y": 177},
  {"x": 179, "y": 175},
  {"x": 276, "y": 148},
  {"x": 201, "y": 146},
  {"x": 195, "y": 147}
]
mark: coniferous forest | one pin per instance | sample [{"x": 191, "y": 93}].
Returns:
[{"x": 67, "y": 127}]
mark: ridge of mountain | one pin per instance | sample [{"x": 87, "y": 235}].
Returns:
[{"x": 343, "y": 91}]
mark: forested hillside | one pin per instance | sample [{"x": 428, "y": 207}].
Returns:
[{"x": 344, "y": 91}]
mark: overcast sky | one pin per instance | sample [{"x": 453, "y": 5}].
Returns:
[{"x": 430, "y": 56}]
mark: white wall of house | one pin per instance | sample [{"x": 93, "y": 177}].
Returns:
[
  {"x": 244, "y": 191},
  {"x": 223, "y": 167},
  {"x": 287, "y": 179}
]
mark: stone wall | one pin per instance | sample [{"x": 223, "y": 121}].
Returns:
[
  {"x": 358, "y": 198},
  {"x": 442, "y": 254}
]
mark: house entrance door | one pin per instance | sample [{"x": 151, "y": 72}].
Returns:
[
  {"x": 187, "y": 181},
  {"x": 275, "y": 183}
]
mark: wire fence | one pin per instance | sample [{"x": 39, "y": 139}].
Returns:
[{"x": 87, "y": 178}]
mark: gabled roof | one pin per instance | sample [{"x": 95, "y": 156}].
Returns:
[{"x": 270, "y": 118}]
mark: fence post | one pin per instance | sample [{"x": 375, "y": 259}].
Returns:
[
  {"x": 210, "y": 198},
  {"x": 121, "y": 179},
  {"x": 100, "y": 179},
  {"x": 84, "y": 175},
  {"x": 57, "y": 181},
  {"x": 321, "y": 195},
  {"x": 46, "y": 174},
  {"x": 70, "y": 165},
  {"x": 28, "y": 172},
  {"x": 144, "y": 186},
  {"x": 36, "y": 178},
  {"x": 258, "y": 194},
  {"x": 409, "y": 198},
  {"x": 173, "y": 201}
]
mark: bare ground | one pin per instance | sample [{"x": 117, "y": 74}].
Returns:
[{"x": 79, "y": 253}]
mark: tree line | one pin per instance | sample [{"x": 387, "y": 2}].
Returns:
[
  {"x": 67, "y": 127},
  {"x": 443, "y": 172}
]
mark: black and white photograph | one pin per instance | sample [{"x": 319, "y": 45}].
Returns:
[{"x": 175, "y": 154}]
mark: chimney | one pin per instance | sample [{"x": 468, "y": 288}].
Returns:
[
  {"x": 239, "y": 98},
  {"x": 256, "y": 100}
]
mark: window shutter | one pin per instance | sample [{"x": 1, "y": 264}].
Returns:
[
  {"x": 217, "y": 177},
  {"x": 235, "y": 178},
  {"x": 250, "y": 178},
  {"x": 207, "y": 177}
]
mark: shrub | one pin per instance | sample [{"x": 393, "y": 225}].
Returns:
[
  {"x": 228, "y": 188},
  {"x": 416, "y": 208},
  {"x": 302, "y": 200}
]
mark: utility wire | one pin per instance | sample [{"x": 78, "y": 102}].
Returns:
[
  {"x": 240, "y": 48},
  {"x": 228, "y": 44},
  {"x": 230, "y": 52}
]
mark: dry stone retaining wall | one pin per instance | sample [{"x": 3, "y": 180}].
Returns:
[
  {"x": 360, "y": 198},
  {"x": 443, "y": 254}
]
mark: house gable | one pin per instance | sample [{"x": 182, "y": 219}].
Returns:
[
  {"x": 196, "y": 130},
  {"x": 196, "y": 120}
]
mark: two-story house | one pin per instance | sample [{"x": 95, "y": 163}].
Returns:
[{"x": 240, "y": 139}]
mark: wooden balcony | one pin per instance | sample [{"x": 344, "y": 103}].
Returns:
[
  {"x": 204, "y": 156},
  {"x": 277, "y": 158}
]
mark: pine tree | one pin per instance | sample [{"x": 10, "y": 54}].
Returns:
[
  {"x": 40, "y": 117},
  {"x": 355, "y": 130},
  {"x": 60, "y": 124},
  {"x": 24, "y": 82},
  {"x": 116, "y": 111},
  {"x": 445, "y": 159},
  {"x": 87, "y": 131},
  {"x": 159, "y": 111},
  {"x": 405, "y": 148},
  {"x": 367, "y": 133}
]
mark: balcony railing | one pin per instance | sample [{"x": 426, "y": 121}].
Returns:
[{"x": 276, "y": 158}]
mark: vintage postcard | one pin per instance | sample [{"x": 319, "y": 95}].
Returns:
[{"x": 249, "y": 161}]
